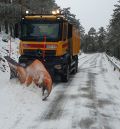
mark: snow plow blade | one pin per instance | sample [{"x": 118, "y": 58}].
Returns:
[
  {"x": 35, "y": 72},
  {"x": 13, "y": 66}
]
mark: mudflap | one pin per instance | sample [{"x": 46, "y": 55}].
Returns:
[{"x": 13, "y": 65}]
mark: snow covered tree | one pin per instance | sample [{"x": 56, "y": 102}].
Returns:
[
  {"x": 92, "y": 39},
  {"x": 101, "y": 37},
  {"x": 82, "y": 35},
  {"x": 113, "y": 35},
  {"x": 11, "y": 11}
]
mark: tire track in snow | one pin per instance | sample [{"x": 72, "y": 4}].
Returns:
[
  {"x": 87, "y": 91},
  {"x": 95, "y": 120},
  {"x": 109, "y": 98},
  {"x": 85, "y": 62},
  {"x": 55, "y": 108},
  {"x": 98, "y": 120},
  {"x": 57, "y": 105},
  {"x": 91, "y": 63}
]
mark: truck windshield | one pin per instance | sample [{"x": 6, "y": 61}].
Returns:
[{"x": 36, "y": 31}]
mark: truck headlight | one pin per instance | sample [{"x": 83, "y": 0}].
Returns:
[{"x": 51, "y": 46}]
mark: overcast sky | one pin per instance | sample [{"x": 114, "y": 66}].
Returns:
[{"x": 92, "y": 13}]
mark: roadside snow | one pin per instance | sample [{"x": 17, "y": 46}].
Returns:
[
  {"x": 7, "y": 48},
  {"x": 4, "y": 71},
  {"x": 114, "y": 60}
]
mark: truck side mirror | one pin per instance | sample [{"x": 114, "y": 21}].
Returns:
[{"x": 17, "y": 30}]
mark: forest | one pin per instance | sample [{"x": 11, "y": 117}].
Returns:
[{"x": 104, "y": 40}]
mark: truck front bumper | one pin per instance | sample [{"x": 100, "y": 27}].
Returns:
[{"x": 55, "y": 65}]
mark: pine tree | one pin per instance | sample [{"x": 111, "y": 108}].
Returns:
[
  {"x": 113, "y": 36},
  {"x": 92, "y": 39},
  {"x": 101, "y": 35},
  {"x": 11, "y": 11}
]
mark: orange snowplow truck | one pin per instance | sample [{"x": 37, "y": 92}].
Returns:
[{"x": 51, "y": 39}]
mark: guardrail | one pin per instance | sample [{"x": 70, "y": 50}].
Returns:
[{"x": 116, "y": 66}]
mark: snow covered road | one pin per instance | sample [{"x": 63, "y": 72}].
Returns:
[{"x": 90, "y": 100}]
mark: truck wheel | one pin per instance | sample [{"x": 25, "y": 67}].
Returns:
[
  {"x": 76, "y": 68},
  {"x": 65, "y": 76}
]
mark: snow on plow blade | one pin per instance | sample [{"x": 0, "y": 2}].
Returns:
[{"x": 35, "y": 72}]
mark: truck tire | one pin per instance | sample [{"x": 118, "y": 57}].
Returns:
[
  {"x": 76, "y": 68},
  {"x": 65, "y": 76}
]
